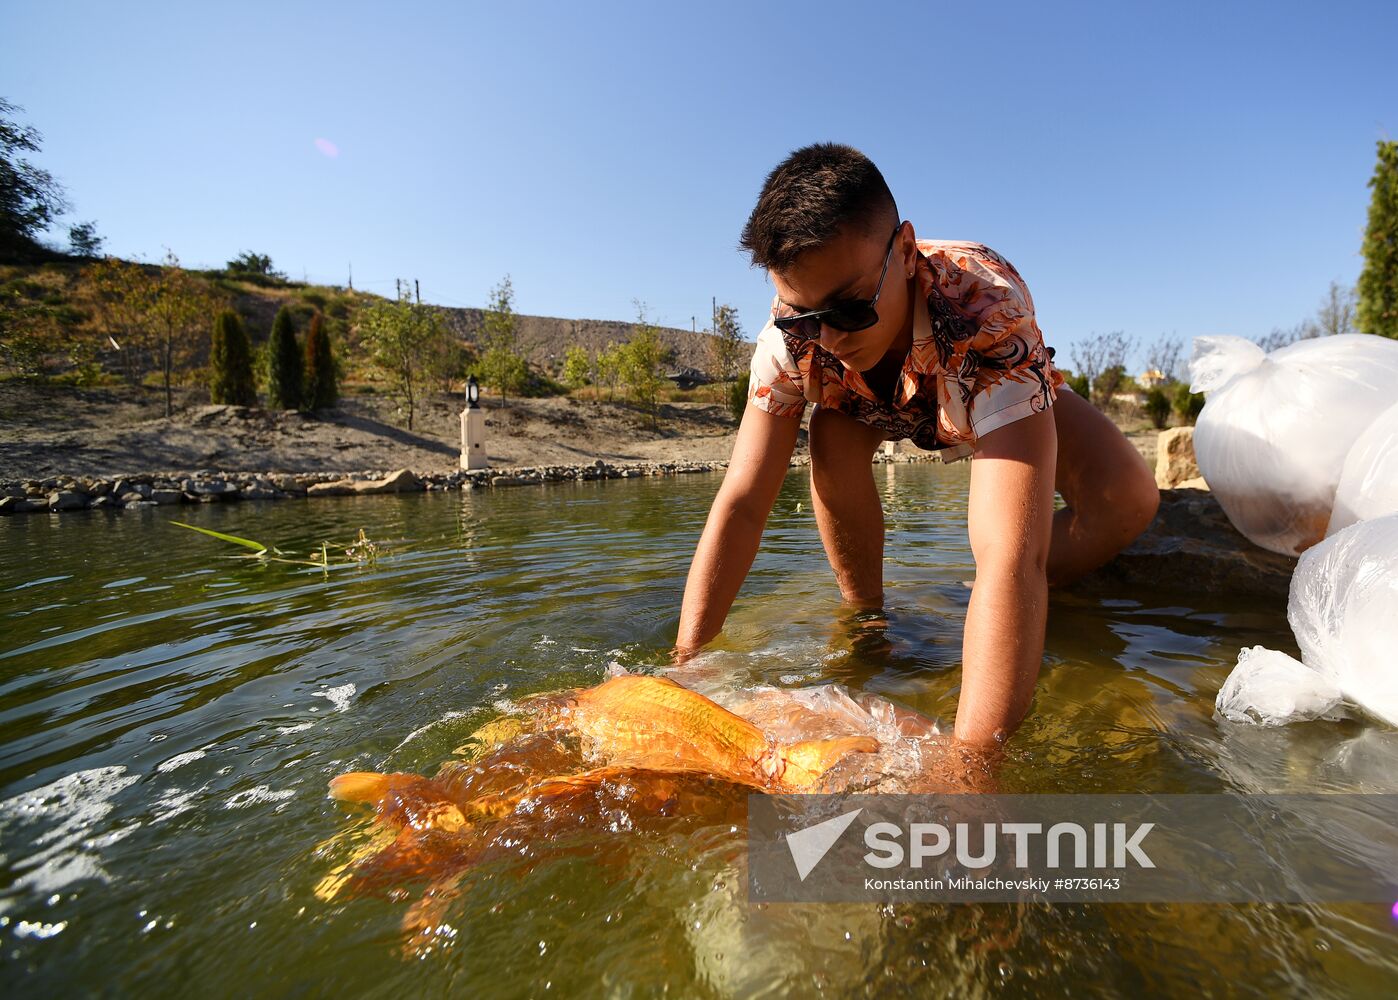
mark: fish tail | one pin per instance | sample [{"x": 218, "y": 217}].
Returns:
[{"x": 807, "y": 760}]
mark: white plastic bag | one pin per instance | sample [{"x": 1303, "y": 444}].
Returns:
[
  {"x": 1271, "y": 688},
  {"x": 1276, "y": 428},
  {"x": 1343, "y": 609},
  {"x": 1369, "y": 480}
]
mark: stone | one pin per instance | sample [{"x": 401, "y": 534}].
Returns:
[
  {"x": 213, "y": 488},
  {"x": 66, "y": 500},
  {"x": 259, "y": 493},
  {"x": 166, "y": 497},
  {"x": 508, "y": 481},
  {"x": 1191, "y": 547},
  {"x": 1193, "y": 484},
  {"x": 400, "y": 481},
  {"x": 103, "y": 501},
  {"x": 1174, "y": 457},
  {"x": 131, "y": 497}
]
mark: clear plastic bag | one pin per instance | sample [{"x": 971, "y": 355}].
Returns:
[
  {"x": 1369, "y": 480},
  {"x": 1272, "y": 689},
  {"x": 1343, "y": 609},
  {"x": 1275, "y": 429}
]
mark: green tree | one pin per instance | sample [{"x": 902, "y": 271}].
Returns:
[
  {"x": 609, "y": 365},
  {"x": 576, "y": 365},
  {"x": 641, "y": 361},
  {"x": 500, "y": 324},
  {"x": 727, "y": 348},
  {"x": 253, "y": 265},
  {"x": 124, "y": 292},
  {"x": 230, "y": 362},
  {"x": 1378, "y": 282},
  {"x": 30, "y": 198},
  {"x": 178, "y": 308},
  {"x": 1158, "y": 407},
  {"x": 24, "y": 329},
  {"x": 502, "y": 363},
  {"x": 284, "y": 364},
  {"x": 1188, "y": 405},
  {"x": 83, "y": 240},
  {"x": 321, "y": 390},
  {"x": 1108, "y": 383},
  {"x": 505, "y": 370},
  {"x": 405, "y": 343}
]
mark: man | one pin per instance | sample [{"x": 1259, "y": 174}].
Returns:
[{"x": 894, "y": 337}]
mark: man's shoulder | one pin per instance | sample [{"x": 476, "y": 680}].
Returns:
[
  {"x": 974, "y": 265},
  {"x": 951, "y": 249}
]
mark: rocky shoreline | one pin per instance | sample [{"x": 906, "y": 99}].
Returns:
[
  {"x": 60, "y": 494},
  {"x": 64, "y": 493}
]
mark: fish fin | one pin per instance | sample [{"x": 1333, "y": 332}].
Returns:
[
  {"x": 400, "y": 799},
  {"x": 491, "y": 736},
  {"x": 807, "y": 760},
  {"x": 362, "y": 786},
  {"x": 498, "y": 806}
]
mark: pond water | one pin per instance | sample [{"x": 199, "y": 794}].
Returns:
[{"x": 170, "y": 716}]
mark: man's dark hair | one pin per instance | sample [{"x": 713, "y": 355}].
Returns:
[{"x": 815, "y": 193}]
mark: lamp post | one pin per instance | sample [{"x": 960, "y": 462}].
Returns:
[{"x": 473, "y": 454}]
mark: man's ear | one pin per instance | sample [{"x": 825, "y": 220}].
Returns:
[{"x": 907, "y": 252}]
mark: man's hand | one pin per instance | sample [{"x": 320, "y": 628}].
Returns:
[{"x": 1010, "y": 520}]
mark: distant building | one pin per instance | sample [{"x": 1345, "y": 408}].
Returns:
[{"x": 1152, "y": 377}]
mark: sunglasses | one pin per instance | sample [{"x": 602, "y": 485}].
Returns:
[{"x": 845, "y": 315}]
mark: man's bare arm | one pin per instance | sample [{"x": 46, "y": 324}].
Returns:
[
  {"x": 761, "y": 457},
  {"x": 1010, "y": 520}
]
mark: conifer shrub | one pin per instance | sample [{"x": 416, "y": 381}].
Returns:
[
  {"x": 284, "y": 382},
  {"x": 230, "y": 362},
  {"x": 321, "y": 390}
]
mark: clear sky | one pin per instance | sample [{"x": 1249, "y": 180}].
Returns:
[{"x": 1187, "y": 167}]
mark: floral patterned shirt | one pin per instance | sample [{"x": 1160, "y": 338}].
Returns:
[{"x": 977, "y": 362}]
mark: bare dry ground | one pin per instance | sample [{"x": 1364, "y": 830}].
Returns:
[{"x": 50, "y": 430}]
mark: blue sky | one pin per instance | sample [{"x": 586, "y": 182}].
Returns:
[{"x": 1181, "y": 167}]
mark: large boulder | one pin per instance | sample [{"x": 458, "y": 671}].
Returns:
[
  {"x": 401, "y": 481},
  {"x": 66, "y": 500},
  {"x": 1174, "y": 458},
  {"x": 1191, "y": 547},
  {"x": 339, "y": 488}
]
